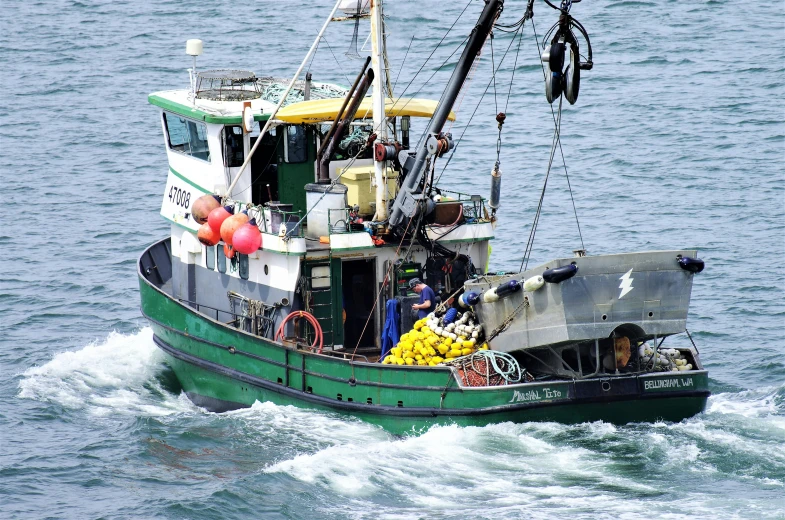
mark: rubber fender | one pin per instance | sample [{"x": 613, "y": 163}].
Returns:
[
  {"x": 559, "y": 274},
  {"x": 469, "y": 299},
  {"x": 693, "y": 265},
  {"x": 450, "y": 315},
  {"x": 507, "y": 288},
  {"x": 532, "y": 284},
  {"x": 490, "y": 296}
]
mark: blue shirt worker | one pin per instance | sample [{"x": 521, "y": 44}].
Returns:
[{"x": 427, "y": 297}]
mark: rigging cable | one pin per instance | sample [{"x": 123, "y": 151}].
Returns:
[
  {"x": 433, "y": 51},
  {"x": 348, "y": 82},
  {"x": 557, "y": 140},
  {"x": 395, "y": 84},
  {"x": 479, "y": 103},
  {"x": 561, "y": 150},
  {"x": 533, "y": 231}
]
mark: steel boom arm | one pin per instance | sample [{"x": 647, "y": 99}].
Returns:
[{"x": 405, "y": 205}]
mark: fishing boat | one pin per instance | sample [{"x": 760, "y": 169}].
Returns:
[{"x": 301, "y": 217}]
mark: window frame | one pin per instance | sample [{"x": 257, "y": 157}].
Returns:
[
  {"x": 299, "y": 129},
  {"x": 187, "y": 120}
]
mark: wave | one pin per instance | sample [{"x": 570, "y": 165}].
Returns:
[
  {"x": 124, "y": 373},
  {"x": 550, "y": 469}
]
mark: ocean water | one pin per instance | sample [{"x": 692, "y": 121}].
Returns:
[{"x": 677, "y": 140}]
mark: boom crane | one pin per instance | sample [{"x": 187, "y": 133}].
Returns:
[{"x": 410, "y": 200}]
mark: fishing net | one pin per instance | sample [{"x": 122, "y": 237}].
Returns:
[
  {"x": 490, "y": 368},
  {"x": 271, "y": 89}
]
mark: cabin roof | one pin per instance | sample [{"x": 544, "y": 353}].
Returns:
[{"x": 220, "y": 112}]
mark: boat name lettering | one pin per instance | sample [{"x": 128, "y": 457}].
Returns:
[
  {"x": 179, "y": 197},
  {"x": 668, "y": 383},
  {"x": 534, "y": 395}
]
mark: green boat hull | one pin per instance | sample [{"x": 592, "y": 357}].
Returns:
[{"x": 223, "y": 368}]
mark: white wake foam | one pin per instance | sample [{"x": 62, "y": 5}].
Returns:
[
  {"x": 757, "y": 403},
  {"x": 109, "y": 376},
  {"x": 546, "y": 469},
  {"x": 472, "y": 469}
]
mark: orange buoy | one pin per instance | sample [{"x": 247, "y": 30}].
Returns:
[
  {"x": 207, "y": 236},
  {"x": 228, "y": 251},
  {"x": 247, "y": 239},
  {"x": 203, "y": 206},
  {"x": 232, "y": 224},
  {"x": 217, "y": 217}
]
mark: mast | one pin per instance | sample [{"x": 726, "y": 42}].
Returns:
[
  {"x": 408, "y": 201},
  {"x": 378, "y": 99}
]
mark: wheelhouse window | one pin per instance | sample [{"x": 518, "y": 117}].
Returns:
[
  {"x": 234, "y": 154},
  {"x": 296, "y": 144},
  {"x": 186, "y": 136}
]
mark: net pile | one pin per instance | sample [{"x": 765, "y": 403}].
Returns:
[
  {"x": 490, "y": 368},
  {"x": 273, "y": 88}
]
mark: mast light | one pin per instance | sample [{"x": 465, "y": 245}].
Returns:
[{"x": 193, "y": 48}]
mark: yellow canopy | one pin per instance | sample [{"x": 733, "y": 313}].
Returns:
[{"x": 319, "y": 110}]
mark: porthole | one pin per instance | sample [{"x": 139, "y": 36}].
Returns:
[
  {"x": 221, "y": 262},
  {"x": 266, "y": 269},
  {"x": 243, "y": 261},
  {"x": 209, "y": 256}
]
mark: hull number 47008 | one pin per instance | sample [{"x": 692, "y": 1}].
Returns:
[{"x": 179, "y": 197}]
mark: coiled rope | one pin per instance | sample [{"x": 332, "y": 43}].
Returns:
[{"x": 489, "y": 368}]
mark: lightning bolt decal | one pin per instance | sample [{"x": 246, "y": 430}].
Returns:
[{"x": 626, "y": 283}]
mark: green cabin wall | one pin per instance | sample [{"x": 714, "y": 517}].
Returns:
[{"x": 292, "y": 177}]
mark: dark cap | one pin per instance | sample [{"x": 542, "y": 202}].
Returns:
[{"x": 414, "y": 282}]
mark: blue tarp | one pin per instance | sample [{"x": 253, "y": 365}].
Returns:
[{"x": 390, "y": 335}]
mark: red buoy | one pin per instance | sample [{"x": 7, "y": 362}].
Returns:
[
  {"x": 232, "y": 224},
  {"x": 203, "y": 206},
  {"x": 247, "y": 239},
  {"x": 228, "y": 251},
  {"x": 217, "y": 217},
  {"x": 207, "y": 236}
]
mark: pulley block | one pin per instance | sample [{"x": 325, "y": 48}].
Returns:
[{"x": 440, "y": 145}]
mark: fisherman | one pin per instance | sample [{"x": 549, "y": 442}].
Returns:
[{"x": 427, "y": 297}]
